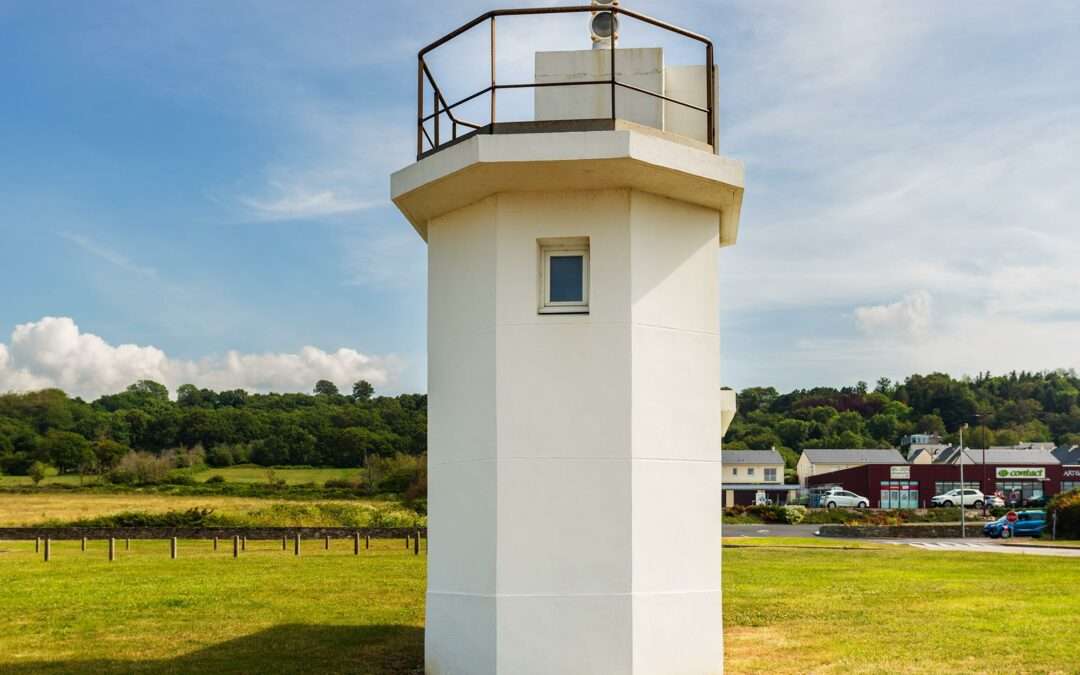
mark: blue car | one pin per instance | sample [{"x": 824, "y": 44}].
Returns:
[{"x": 1028, "y": 524}]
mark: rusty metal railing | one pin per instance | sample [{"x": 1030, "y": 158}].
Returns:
[{"x": 428, "y": 143}]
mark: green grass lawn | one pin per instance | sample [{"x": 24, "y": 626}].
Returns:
[
  {"x": 896, "y": 609},
  {"x": 267, "y": 612},
  {"x": 791, "y": 606}
]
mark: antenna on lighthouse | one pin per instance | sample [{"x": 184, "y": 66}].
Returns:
[{"x": 604, "y": 26}]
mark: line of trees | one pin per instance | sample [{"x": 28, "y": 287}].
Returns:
[
  {"x": 326, "y": 428},
  {"x": 1002, "y": 410}
]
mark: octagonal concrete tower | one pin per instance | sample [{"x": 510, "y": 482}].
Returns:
[{"x": 575, "y": 401}]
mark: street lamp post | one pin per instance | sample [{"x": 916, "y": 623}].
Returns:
[{"x": 963, "y": 525}]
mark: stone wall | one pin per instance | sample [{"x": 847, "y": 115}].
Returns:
[{"x": 58, "y": 533}]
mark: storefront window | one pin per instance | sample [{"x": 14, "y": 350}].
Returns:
[
  {"x": 1069, "y": 485},
  {"x": 1016, "y": 493},
  {"x": 899, "y": 494},
  {"x": 943, "y": 486}
]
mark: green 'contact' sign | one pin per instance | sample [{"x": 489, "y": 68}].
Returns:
[{"x": 1036, "y": 473}]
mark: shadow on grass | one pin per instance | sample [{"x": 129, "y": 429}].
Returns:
[{"x": 378, "y": 650}]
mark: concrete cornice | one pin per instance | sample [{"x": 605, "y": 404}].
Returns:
[{"x": 629, "y": 156}]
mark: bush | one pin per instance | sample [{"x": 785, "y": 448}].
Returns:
[
  {"x": 180, "y": 479},
  {"x": 196, "y": 517},
  {"x": 141, "y": 468},
  {"x": 216, "y": 479},
  {"x": 220, "y": 456},
  {"x": 1067, "y": 508},
  {"x": 36, "y": 472},
  {"x": 793, "y": 515}
]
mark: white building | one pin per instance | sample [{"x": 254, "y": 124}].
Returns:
[
  {"x": 575, "y": 409},
  {"x": 814, "y": 462}
]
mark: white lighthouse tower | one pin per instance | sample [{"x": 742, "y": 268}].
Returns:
[{"x": 575, "y": 401}]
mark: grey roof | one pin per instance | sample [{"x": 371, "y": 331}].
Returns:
[
  {"x": 767, "y": 487},
  {"x": 751, "y": 457},
  {"x": 854, "y": 456},
  {"x": 947, "y": 456},
  {"x": 1009, "y": 456},
  {"x": 1067, "y": 455}
]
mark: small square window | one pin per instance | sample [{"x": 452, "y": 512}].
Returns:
[
  {"x": 734, "y": 471},
  {"x": 750, "y": 471},
  {"x": 564, "y": 276}
]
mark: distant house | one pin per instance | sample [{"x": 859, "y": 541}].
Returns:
[
  {"x": 920, "y": 439},
  {"x": 815, "y": 461},
  {"x": 754, "y": 475},
  {"x": 925, "y": 454},
  {"x": 1070, "y": 467}
]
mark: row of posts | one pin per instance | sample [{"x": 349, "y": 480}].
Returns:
[{"x": 239, "y": 544}]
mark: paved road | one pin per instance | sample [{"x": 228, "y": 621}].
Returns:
[
  {"x": 770, "y": 530},
  {"x": 946, "y": 545}
]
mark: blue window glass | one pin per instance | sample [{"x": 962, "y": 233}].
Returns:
[{"x": 566, "y": 279}]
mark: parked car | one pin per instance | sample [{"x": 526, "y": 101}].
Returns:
[
  {"x": 994, "y": 501},
  {"x": 839, "y": 497},
  {"x": 973, "y": 498},
  {"x": 1028, "y": 524}
]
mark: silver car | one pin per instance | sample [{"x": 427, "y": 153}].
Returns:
[{"x": 843, "y": 498}]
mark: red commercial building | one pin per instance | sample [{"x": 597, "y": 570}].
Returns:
[{"x": 1019, "y": 476}]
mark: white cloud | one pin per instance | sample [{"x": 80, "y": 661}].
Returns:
[
  {"x": 300, "y": 201},
  {"x": 909, "y": 318},
  {"x": 107, "y": 254},
  {"x": 53, "y": 352}
]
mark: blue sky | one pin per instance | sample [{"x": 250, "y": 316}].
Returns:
[{"x": 197, "y": 191}]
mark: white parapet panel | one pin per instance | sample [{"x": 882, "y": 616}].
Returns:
[{"x": 643, "y": 68}]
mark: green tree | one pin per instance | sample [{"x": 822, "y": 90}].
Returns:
[
  {"x": 362, "y": 391},
  {"x": 68, "y": 451},
  {"x": 36, "y": 472},
  {"x": 326, "y": 388}
]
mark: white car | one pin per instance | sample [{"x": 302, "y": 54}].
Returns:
[
  {"x": 837, "y": 498},
  {"x": 994, "y": 501},
  {"x": 973, "y": 498}
]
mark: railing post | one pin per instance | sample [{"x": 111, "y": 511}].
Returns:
[
  {"x": 420, "y": 107},
  {"x": 710, "y": 97},
  {"x": 613, "y": 20},
  {"x": 236, "y": 546},
  {"x": 112, "y": 549},
  {"x": 296, "y": 549},
  {"x": 48, "y": 549},
  {"x": 435, "y": 103},
  {"x": 493, "y": 90},
  {"x": 356, "y": 543},
  {"x": 172, "y": 548}
]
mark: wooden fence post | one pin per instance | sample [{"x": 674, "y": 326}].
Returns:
[
  {"x": 127, "y": 543},
  {"x": 367, "y": 540},
  {"x": 84, "y": 544},
  {"x": 296, "y": 545},
  {"x": 37, "y": 544},
  {"x": 327, "y": 547},
  {"x": 236, "y": 546},
  {"x": 243, "y": 543},
  {"x": 215, "y": 542},
  {"x": 48, "y": 549},
  {"x": 416, "y": 543},
  {"x": 284, "y": 543},
  {"x": 407, "y": 547},
  {"x": 356, "y": 544},
  {"x": 172, "y": 548},
  {"x": 112, "y": 549}
]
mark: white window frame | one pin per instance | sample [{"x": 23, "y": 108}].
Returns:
[
  {"x": 768, "y": 477},
  {"x": 563, "y": 247},
  {"x": 750, "y": 471}
]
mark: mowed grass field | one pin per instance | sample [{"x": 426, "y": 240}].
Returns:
[
  {"x": 233, "y": 474},
  {"x": 33, "y": 508},
  {"x": 266, "y": 612},
  {"x": 791, "y": 606}
]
